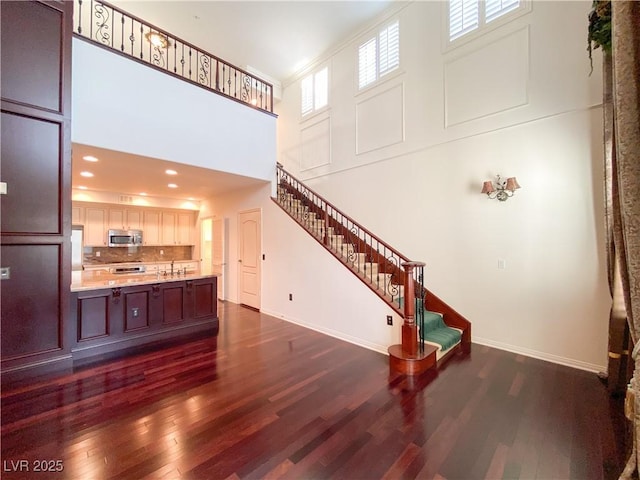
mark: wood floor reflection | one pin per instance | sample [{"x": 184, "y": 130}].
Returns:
[{"x": 269, "y": 399}]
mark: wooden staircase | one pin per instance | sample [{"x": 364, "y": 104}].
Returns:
[{"x": 388, "y": 273}]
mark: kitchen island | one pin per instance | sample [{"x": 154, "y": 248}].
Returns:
[{"x": 112, "y": 312}]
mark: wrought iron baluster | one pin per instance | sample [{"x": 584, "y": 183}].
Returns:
[
  {"x": 91, "y": 21},
  {"x": 189, "y": 62},
  {"x": 141, "y": 41},
  {"x": 235, "y": 83},
  {"x": 175, "y": 55},
  {"x": 80, "y": 17},
  {"x": 261, "y": 99},
  {"x": 122, "y": 33},
  {"x": 132, "y": 37},
  {"x": 182, "y": 60}
]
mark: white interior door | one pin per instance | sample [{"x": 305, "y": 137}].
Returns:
[
  {"x": 219, "y": 254},
  {"x": 249, "y": 233},
  {"x": 206, "y": 245}
]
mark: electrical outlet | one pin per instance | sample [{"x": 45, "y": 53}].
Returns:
[
  {"x": 291, "y": 297},
  {"x": 98, "y": 253},
  {"x": 135, "y": 312},
  {"x": 161, "y": 252},
  {"x": 389, "y": 320}
]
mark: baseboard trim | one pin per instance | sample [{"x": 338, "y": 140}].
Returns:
[
  {"x": 568, "y": 362},
  {"x": 332, "y": 333},
  {"x": 28, "y": 371}
]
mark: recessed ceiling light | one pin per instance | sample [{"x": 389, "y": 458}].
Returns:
[
  {"x": 172, "y": 185},
  {"x": 90, "y": 158},
  {"x": 170, "y": 172},
  {"x": 86, "y": 174},
  {"x": 82, "y": 187},
  {"x": 191, "y": 198},
  {"x": 143, "y": 194}
]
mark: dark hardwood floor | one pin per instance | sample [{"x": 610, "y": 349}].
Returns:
[{"x": 269, "y": 399}]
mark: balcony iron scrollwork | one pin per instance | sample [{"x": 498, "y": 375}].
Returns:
[
  {"x": 110, "y": 27},
  {"x": 157, "y": 57},
  {"x": 102, "y": 18},
  {"x": 204, "y": 70}
]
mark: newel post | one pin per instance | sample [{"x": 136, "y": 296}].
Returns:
[{"x": 409, "y": 327}]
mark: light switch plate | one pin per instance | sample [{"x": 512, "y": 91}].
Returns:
[{"x": 5, "y": 273}]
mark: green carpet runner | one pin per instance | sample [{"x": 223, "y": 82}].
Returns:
[{"x": 435, "y": 330}]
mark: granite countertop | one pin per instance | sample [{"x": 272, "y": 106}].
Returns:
[{"x": 96, "y": 280}]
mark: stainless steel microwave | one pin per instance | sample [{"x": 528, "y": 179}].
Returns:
[{"x": 125, "y": 238}]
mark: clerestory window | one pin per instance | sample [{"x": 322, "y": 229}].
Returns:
[
  {"x": 468, "y": 15},
  {"x": 379, "y": 55},
  {"x": 315, "y": 91}
]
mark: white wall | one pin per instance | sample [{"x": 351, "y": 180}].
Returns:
[
  {"x": 407, "y": 158},
  {"x": 326, "y": 296},
  {"x": 124, "y": 106}
]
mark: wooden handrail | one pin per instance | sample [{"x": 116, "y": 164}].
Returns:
[
  {"x": 347, "y": 217},
  {"x": 413, "y": 356}
]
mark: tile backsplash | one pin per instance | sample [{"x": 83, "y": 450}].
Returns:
[{"x": 100, "y": 255}]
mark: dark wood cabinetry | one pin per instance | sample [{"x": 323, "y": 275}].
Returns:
[
  {"x": 113, "y": 319},
  {"x": 36, "y": 166}
]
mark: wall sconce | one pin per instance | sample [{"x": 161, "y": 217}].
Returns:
[
  {"x": 157, "y": 39},
  {"x": 502, "y": 189}
]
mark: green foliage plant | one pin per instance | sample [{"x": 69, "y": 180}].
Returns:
[{"x": 599, "y": 28}]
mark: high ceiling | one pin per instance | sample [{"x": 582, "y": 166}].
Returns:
[{"x": 276, "y": 38}]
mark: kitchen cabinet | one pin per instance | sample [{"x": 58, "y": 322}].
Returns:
[
  {"x": 159, "y": 227},
  {"x": 177, "y": 228},
  {"x": 125, "y": 218},
  {"x": 77, "y": 215},
  {"x": 134, "y": 219},
  {"x": 184, "y": 228},
  {"x": 169, "y": 228},
  {"x": 151, "y": 227},
  {"x": 95, "y": 227},
  {"x": 117, "y": 318}
]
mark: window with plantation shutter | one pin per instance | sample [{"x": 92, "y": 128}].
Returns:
[
  {"x": 496, "y": 8},
  {"x": 307, "y": 94},
  {"x": 463, "y": 17},
  {"x": 468, "y": 15},
  {"x": 314, "y": 91},
  {"x": 389, "y": 48},
  {"x": 379, "y": 55},
  {"x": 367, "y": 63}
]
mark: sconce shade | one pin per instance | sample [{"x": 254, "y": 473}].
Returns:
[
  {"x": 487, "y": 187},
  {"x": 512, "y": 184}
]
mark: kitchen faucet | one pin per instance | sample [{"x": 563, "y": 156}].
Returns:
[{"x": 172, "y": 268}]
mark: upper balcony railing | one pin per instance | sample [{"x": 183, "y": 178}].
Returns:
[{"x": 110, "y": 27}]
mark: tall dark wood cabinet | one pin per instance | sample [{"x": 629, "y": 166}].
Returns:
[{"x": 35, "y": 165}]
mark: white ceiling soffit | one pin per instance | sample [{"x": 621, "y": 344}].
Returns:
[{"x": 129, "y": 174}]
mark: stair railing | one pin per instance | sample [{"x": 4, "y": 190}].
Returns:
[
  {"x": 390, "y": 274},
  {"x": 109, "y": 27}
]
